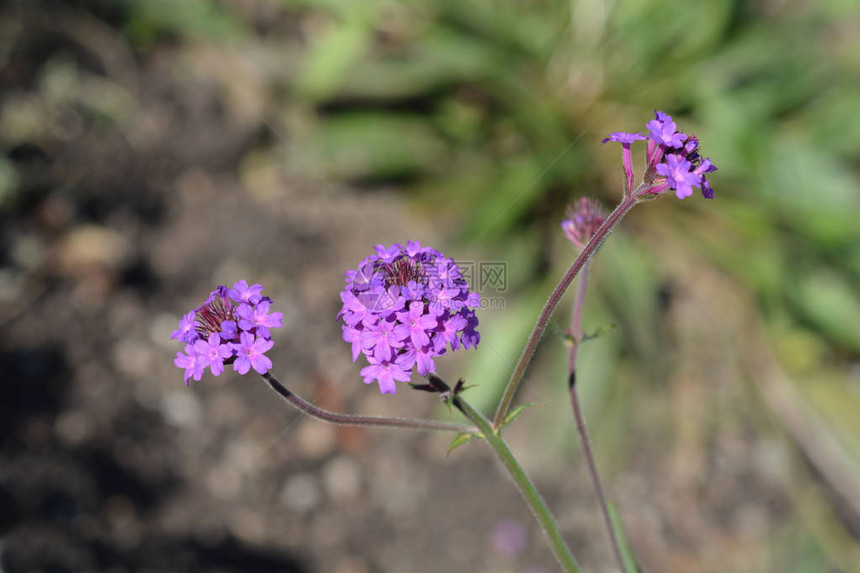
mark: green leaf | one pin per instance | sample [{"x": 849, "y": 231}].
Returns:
[
  {"x": 462, "y": 440},
  {"x": 512, "y": 415},
  {"x": 597, "y": 333}
]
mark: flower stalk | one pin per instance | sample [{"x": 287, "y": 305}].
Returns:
[
  {"x": 546, "y": 313},
  {"x": 359, "y": 420}
]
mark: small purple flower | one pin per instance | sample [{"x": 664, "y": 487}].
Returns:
[
  {"x": 413, "y": 291},
  {"x": 446, "y": 271},
  {"x": 664, "y": 131},
  {"x": 387, "y": 255},
  {"x": 257, "y": 316},
  {"x": 677, "y": 172},
  {"x": 353, "y": 310},
  {"x": 214, "y": 351},
  {"x": 186, "y": 331},
  {"x": 413, "y": 248},
  {"x": 415, "y": 324},
  {"x": 241, "y": 292},
  {"x": 470, "y": 337},
  {"x": 352, "y": 335},
  {"x": 193, "y": 363},
  {"x": 381, "y": 339},
  {"x": 250, "y": 354},
  {"x": 386, "y": 373},
  {"x": 231, "y": 327},
  {"x": 447, "y": 333},
  {"x": 229, "y": 330},
  {"x": 443, "y": 300},
  {"x": 691, "y": 145},
  {"x": 623, "y": 137},
  {"x": 705, "y": 167},
  {"x": 424, "y": 360},
  {"x": 626, "y": 140},
  {"x": 420, "y": 358},
  {"x": 402, "y": 308}
]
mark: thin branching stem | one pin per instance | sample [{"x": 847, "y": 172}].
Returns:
[
  {"x": 360, "y": 420},
  {"x": 576, "y": 336},
  {"x": 543, "y": 320}
]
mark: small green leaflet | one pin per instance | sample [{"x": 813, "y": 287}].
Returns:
[
  {"x": 512, "y": 415},
  {"x": 462, "y": 440}
]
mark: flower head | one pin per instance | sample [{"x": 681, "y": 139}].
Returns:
[
  {"x": 673, "y": 160},
  {"x": 583, "y": 220},
  {"x": 403, "y": 307},
  {"x": 231, "y": 327}
]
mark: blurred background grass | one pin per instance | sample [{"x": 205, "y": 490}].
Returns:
[{"x": 725, "y": 402}]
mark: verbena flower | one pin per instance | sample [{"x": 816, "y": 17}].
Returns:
[
  {"x": 673, "y": 160},
  {"x": 663, "y": 130},
  {"x": 231, "y": 327},
  {"x": 626, "y": 140},
  {"x": 403, "y": 307},
  {"x": 583, "y": 220}
]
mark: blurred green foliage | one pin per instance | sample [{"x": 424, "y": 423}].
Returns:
[{"x": 147, "y": 21}]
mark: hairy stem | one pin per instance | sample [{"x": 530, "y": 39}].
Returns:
[
  {"x": 359, "y": 420},
  {"x": 556, "y": 296}
]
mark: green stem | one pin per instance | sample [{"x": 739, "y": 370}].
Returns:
[
  {"x": 523, "y": 483},
  {"x": 556, "y": 296}
]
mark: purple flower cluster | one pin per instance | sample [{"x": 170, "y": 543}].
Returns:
[
  {"x": 231, "y": 327},
  {"x": 583, "y": 220},
  {"x": 403, "y": 307},
  {"x": 673, "y": 159}
]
